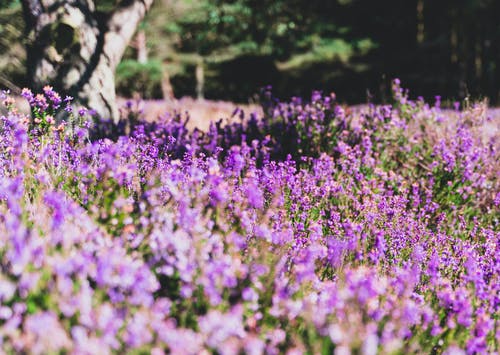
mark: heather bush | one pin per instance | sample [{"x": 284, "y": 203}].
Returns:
[{"x": 316, "y": 228}]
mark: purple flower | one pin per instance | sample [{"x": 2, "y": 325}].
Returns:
[
  {"x": 43, "y": 341},
  {"x": 28, "y": 95},
  {"x": 82, "y": 111},
  {"x": 53, "y": 96},
  {"x": 40, "y": 103},
  {"x": 56, "y": 201},
  {"x": 220, "y": 327},
  {"x": 496, "y": 201},
  {"x": 254, "y": 195}
]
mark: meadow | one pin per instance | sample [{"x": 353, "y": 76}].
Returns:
[{"x": 311, "y": 227}]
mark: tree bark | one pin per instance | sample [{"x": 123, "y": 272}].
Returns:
[
  {"x": 76, "y": 49},
  {"x": 166, "y": 86},
  {"x": 140, "y": 46},
  {"x": 200, "y": 81}
]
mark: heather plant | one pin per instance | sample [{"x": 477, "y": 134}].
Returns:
[{"x": 317, "y": 228}]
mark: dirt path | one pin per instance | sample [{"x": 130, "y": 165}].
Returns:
[{"x": 201, "y": 112}]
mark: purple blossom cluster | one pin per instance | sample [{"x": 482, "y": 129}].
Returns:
[{"x": 316, "y": 228}]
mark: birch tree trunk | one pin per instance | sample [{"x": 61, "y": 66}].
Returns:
[{"x": 76, "y": 49}]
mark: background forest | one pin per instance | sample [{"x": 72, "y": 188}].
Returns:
[{"x": 227, "y": 50}]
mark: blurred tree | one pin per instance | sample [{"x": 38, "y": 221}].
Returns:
[
  {"x": 448, "y": 47},
  {"x": 268, "y": 27},
  {"x": 76, "y": 47},
  {"x": 248, "y": 40},
  {"x": 12, "y": 58}
]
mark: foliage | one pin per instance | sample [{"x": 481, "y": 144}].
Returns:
[
  {"x": 447, "y": 47},
  {"x": 316, "y": 228},
  {"x": 142, "y": 78},
  {"x": 9, "y": 3},
  {"x": 275, "y": 28}
]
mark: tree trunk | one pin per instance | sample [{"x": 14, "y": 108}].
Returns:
[
  {"x": 140, "y": 45},
  {"x": 166, "y": 86},
  {"x": 420, "y": 21},
  {"x": 76, "y": 49},
  {"x": 200, "y": 80}
]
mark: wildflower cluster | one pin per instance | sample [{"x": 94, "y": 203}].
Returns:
[
  {"x": 51, "y": 113},
  {"x": 316, "y": 228}
]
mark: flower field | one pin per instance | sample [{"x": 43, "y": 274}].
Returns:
[{"x": 316, "y": 228}]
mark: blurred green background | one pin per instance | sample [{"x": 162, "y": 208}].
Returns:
[{"x": 227, "y": 50}]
